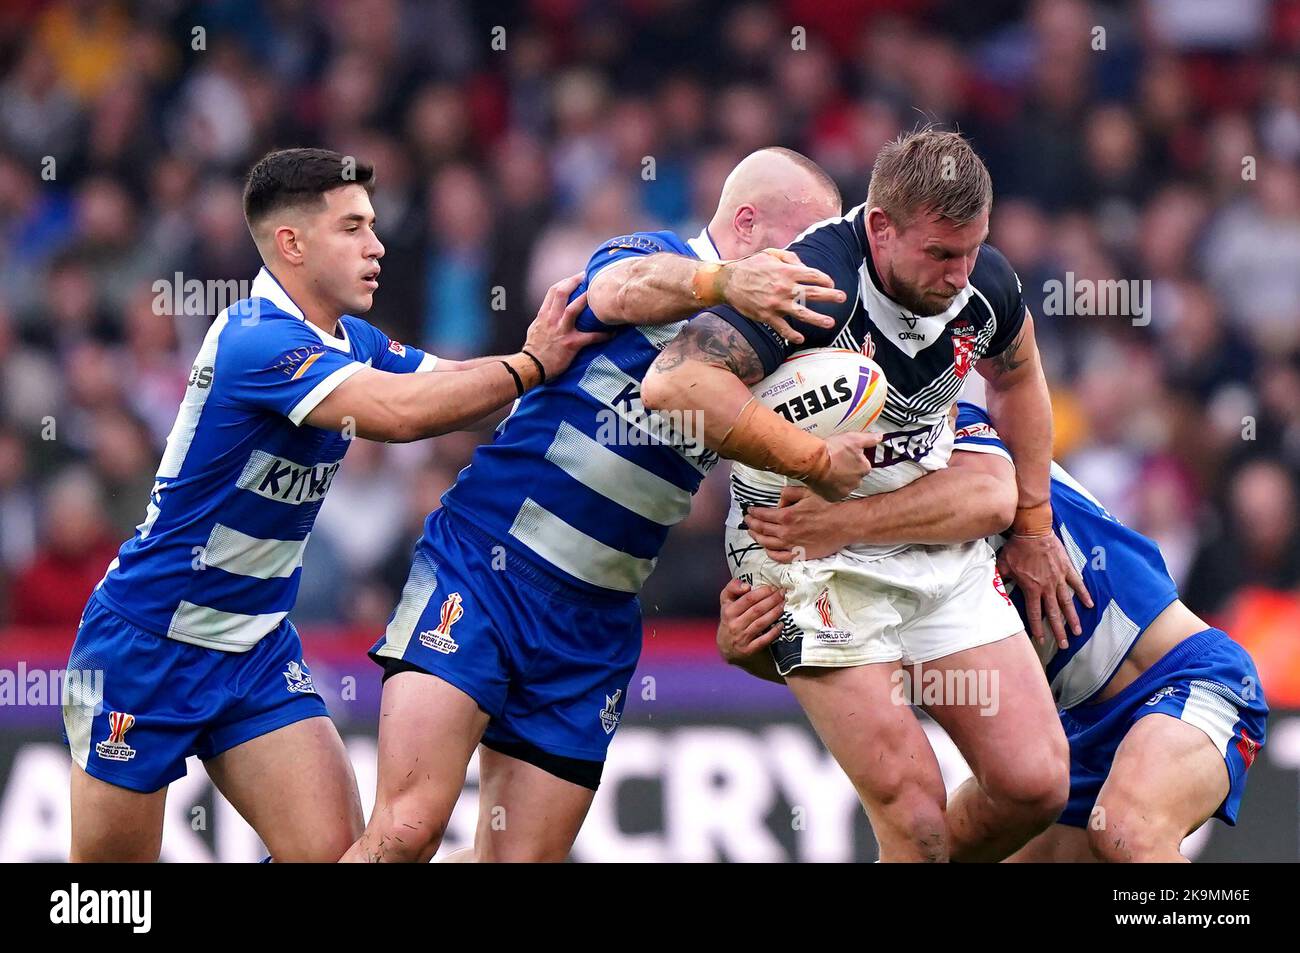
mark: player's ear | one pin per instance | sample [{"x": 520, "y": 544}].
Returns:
[
  {"x": 288, "y": 244},
  {"x": 744, "y": 222},
  {"x": 879, "y": 224}
]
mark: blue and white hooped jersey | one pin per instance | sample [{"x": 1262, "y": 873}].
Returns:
[
  {"x": 580, "y": 479},
  {"x": 1123, "y": 570},
  {"x": 217, "y": 560}
]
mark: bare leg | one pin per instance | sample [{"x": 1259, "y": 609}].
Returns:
[
  {"x": 884, "y": 751},
  {"x": 1014, "y": 744},
  {"x": 428, "y": 730},
  {"x": 309, "y": 816},
  {"x": 525, "y": 813},
  {"x": 116, "y": 824},
  {"x": 1059, "y": 844},
  {"x": 1167, "y": 780}
]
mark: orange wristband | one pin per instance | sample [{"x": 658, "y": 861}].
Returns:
[
  {"x": 707, "y": 284},
  {"x": 1033, "y": 520}
]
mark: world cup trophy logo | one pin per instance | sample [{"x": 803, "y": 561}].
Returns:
[
  {"x": 116, "y": 748},
  {"x": 439, "y": 638}
]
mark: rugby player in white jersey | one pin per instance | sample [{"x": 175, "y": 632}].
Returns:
[
  {"x": 189, "y": 625},
  {"x": 929, "y": 300}
]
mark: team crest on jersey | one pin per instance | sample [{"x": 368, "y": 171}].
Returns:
[
  {"x": 397, "y": 348},
  {"x": 828, "y": 632},
  {"x": 299, "y": 679},
  {"x": 609, "y": 715},
  {"x": 1169, "y": 691},
  {"x": 963, "y": 346},
  {"x": 116, "y": 748},
  {"x": 1248, "y": 747},
  {"x": 439, "y": 639},
  {"x": 868, "y": 347}
]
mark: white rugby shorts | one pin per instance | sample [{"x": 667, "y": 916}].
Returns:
[{"x": 914, "y": 605}]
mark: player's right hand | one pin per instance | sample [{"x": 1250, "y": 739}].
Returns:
[
  {"x": 750, "y": 620},
  {"x": 850, "y": 462},
  {"x": 552, "y": 337},
  {"x": 774, "y": 285}
]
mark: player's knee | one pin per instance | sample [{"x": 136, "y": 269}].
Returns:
[
  {"x": 1036, "y": 788},
  {"x": 406, "y": 828},
  {"x": 912, "y": 828},
  {"x": 1122, "y": 834}
]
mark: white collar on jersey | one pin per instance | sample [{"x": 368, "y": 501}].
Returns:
[
  {"x": 702, "y": 245},
  {"x": 265, "y": 286}
]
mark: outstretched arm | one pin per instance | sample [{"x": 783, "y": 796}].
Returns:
[
  {"x": 378, "y": 405},
  {"x": 768, "y": 287}
]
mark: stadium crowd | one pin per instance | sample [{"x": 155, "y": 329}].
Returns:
[{"x": 1152, "y": 142}]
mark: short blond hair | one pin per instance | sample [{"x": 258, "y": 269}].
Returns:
[{"x": 930, "y": 169}]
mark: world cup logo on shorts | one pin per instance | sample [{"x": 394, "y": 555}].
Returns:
[
  {"x": 439, "y": 639},
  {"x": 116, "y": 748},
  {"x": 829, "y": 633}
]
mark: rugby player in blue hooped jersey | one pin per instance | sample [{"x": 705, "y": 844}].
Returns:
[
  {"x": 519, "y": 626},
  {"x": 1138, "y": 784},
  {"x": 189, "y": 625}
]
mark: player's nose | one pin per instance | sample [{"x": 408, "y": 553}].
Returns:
[
  {"x": 958, "y": 275},
  {"x": 375, "y": 249}
]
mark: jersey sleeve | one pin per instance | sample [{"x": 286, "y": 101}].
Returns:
[
  {"x": 282, "y": 366},
  {"x": 833, "y": 248},
  {"x": 1000, "y": 285},
  {"x": 635, "y": 245},
  {"x": 975, "y": 431},
  {"x": 388, "y": 355}
]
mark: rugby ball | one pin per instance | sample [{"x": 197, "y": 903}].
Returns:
[{"x": 825, "y": 391}]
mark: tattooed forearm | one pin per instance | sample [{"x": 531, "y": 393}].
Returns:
[
  {"x": 711, "y": 340},
  {"x": 1010, "y": 359}
]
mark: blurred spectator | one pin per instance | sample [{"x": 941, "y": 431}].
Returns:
[
  {"x": 77, "y": 546},
  {"x": 1258, "y": 543}
]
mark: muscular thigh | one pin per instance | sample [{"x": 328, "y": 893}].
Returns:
[
  {"x": 1167, "y": 773},
  {"x": 114, "y": 824},
  {"x": 867, "y": 725},
  {"x": 296, "y": 788},
  {"x": 995, "y": 704}
]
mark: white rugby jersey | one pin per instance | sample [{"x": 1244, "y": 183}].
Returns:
[
  {"x": 217, "y": 560},
  {"x": 925, "y": 358}
]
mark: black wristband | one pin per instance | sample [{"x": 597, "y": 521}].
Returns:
[
  {"x": 519, "y": 384},
  {"x": 540, "y": 369}
]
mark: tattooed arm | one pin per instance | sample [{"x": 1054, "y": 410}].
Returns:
[
  {"x": 708, "y": 369},
  {"x": 1021, "y": 410}
]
